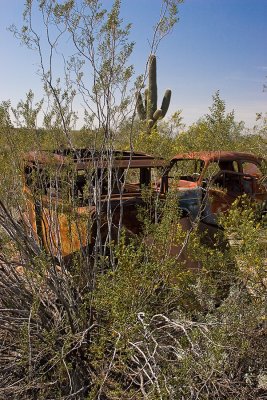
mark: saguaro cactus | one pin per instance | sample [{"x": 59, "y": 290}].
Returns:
[{"x": 148, "y": 110}]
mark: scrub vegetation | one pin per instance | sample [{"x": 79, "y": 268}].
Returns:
[{"x": 132, "y": 321}]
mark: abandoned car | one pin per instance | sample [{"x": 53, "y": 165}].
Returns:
[
  {"x": 77, "y": 197},
  {"x": 209, "y": 182}
]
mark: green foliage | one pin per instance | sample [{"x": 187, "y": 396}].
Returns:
[
  {"x": 26, "y": 112},
  {"x": 217, "y": 130},
  {"x": 161, "y": 145},
  {"x": 162, "y": 141},
  {"x": 5, "y": 121},
  {"x": 247, "y": 236}
]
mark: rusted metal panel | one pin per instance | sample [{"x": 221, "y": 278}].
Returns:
[
  {"x": 115, "y": 159},
  {"x": 66, "y": 233},
  {"x": 209, "y": 156}
]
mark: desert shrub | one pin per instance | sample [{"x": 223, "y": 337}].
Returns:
[{"x": 146, "y": 327}]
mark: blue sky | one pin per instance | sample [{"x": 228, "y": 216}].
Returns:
[{"x": 217, "y": 44}]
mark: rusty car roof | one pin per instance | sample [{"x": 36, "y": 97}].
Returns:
[
  {"x": 83, "y": 158},
  {"x": 217, "y": 155}
]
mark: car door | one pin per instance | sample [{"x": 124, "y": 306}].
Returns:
[
  {"x": 254, "y": 181},
  {"x": 220, "y": 193}
]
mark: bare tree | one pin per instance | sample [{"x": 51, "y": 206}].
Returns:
[{"x": 45, "y": 304}]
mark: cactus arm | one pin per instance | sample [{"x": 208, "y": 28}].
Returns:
[
  {"x": 157, "y": 115},
  {"x": 140, "y": 107},
  {"x": 150, "y": 124},
  {"x": 161, "y": 112},
  {"x": 166, "y": 102}
]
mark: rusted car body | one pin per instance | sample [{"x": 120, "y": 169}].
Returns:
[
  {"x": 77, "y": 197},
  {"x": 208, "y": 183}
]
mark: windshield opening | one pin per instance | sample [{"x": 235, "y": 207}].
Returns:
[
  {"x": 186, "y": 170},
  {"x": 85, "y": 186}
]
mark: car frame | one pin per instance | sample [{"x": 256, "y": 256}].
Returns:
[
  {"x": 204, "y": 195},
  {"x": 98, "y": 199}
]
